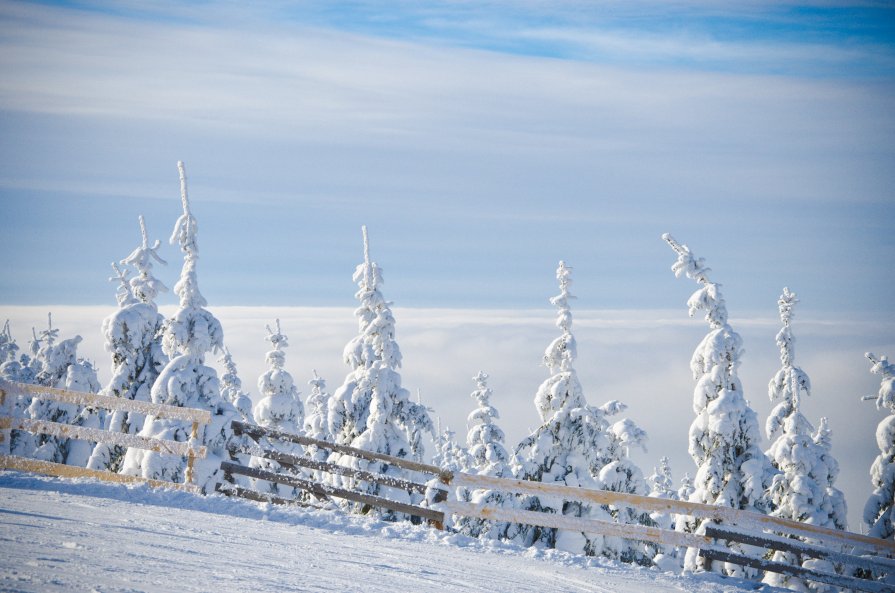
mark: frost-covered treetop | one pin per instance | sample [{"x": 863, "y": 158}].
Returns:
[
  {"x": 186, "y": 229},
  {"x": 662, "y": 485},
  {"x": 123, "y": 294},
  {"x": 8, "y": 346},
  {"x": 192, "y": 331},
  {"x": 376, "y": 324},
  {"x": 49, "y": 335},
  {"x": 145, "y": 286},
  {"x": 561, "y": 353},
  {"x": 482, "y": 392},
  {"x": 318, "y": 384},
  {"x": 276, "y": 358},
  {"x": 786, "y": 303},
  {"x": 708, "y": 297},
  {"x": 790, "y": 381},
  {"x": 231, "y": 384},
  {"x": 886, "y": 396},
  {"x": 186, "y": 232}
]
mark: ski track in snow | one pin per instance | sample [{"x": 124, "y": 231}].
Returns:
[{"x": 62, "y": 535}]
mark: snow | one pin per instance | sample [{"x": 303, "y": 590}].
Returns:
[{"x": 62, "y": 535}]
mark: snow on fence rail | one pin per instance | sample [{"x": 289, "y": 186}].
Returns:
[
  {"x": 851, "y": 549},
  {"x": 190, "y": 449},
  {"x": 848, "y": 549},
  {"x": 326, "y": 491}
]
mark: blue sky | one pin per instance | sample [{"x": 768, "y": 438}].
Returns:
[{"x": 480, "y": 142}]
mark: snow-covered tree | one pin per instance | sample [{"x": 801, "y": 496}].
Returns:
[
  {"x": 577, "y": 446},
  {"x": 317, "y": 418},
  {"x": 485, "y": 438},
  {"x": 489, "y": 457},
  {"x": 662, "y": 486},
  {"x": 879, "y": 512},
  {"x": 803, "y": 490},
  {"x": 317, "y": 422},
  {"x": 371, "y": 410},
  {"x": 280, "y": 408},
  {"x": 231, "y": 388},
  {"x": 185, "y": 380},
  {"x": 15, "y": 365},
  {"x": 8, "y": 346},
  {"x": 686, "y": 489},
  {"x": 724, "y": 437},
  {"x": 133, "y": 337},
  {"x": 57, "y": 365},
  {"x": 449, "y": 455}
]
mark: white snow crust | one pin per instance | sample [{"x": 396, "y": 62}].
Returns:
[{"x": 62, "y": 536}]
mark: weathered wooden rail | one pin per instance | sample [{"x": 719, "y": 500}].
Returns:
[
  {"x": 725, "y": 524},
  {"x": 189, "y": 449},
  {"x": 326, "y": 491},
  {"x": 851, "y": 549}
]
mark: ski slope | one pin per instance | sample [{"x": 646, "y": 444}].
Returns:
[{"x": 70, "y": 536}]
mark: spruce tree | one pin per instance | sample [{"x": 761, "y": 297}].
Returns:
[
  {"x": 8, "y": 346},
  {"x": 133, "y": 338},
  {"x": 732, "y": 471},
  {"x": 280, "y": 408},
  {"x": 803, "y": 490},
  {"x": 488, "y": 457},
  {"x": 231, "y": 388},
  {"x": 317, "y": 422},
  {"x": 185, "y": 380},
  {"x": 60, "y": 367},
  {"x": 879, "y": 511},
  {"x": 371, "y": 410},
  {"x": 576, "y": 446},
  {"x": 662, "y": 486}
]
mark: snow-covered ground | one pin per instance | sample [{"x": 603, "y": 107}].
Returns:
[{"x": 60, "y": 535}]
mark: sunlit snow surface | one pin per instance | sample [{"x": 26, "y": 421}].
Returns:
[{"x": 60, "y": 535}]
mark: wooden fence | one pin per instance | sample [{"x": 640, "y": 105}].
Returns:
[
  {"x": 850, "y": 550},
  {"x": 324, "y": 491},
  {"x": 841, "y": 547},
  {"x": 8, "y": 422}
]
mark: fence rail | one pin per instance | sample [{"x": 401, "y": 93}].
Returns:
[
  {"x": 831, "y": 537},
  {"x": 726, "y": 524},
  {"x": 189, "y": 449}
]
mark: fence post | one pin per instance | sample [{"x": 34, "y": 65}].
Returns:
[
  {"x": 5, "y": 431},
  {"x": 191, "y": 455}
]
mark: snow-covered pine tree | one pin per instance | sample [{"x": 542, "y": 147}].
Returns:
[
  {"x": 15, "y": 365},
  {"x": 879, "y": 511},
  {"x": 24, "y": 370},
  {"x": 449, "y": 455},
  {"x": 662, "y": 486},
  {"x": 576, "y": 446},
  {"x": 485, "y": 439},
  {"x": 231, "y": 388},
  {"x": 59, "y": 367},
  {"x": 803, "y": 490},
  {"x": 185, "y": 380},
  {"x": 133, "y": 337},
  {"x": 685, "y": 491},
  {"x": 280, "y": 408},
  {"x": 489, "y": 457},
  {"x": 8, "y": 346},
  {"x": 371, "y": 410},
  {"x": 724, "y": 437},
  {"x": 317, "y": 422}
]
